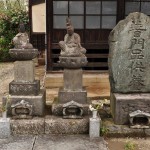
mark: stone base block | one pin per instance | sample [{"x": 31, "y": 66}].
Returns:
[
  {"x": 94, "y": 130},
  {"x": 27, "y": 126},
  {"x": 58, "y": 125},
  {"x": 65, "y": 96},
  {"x": 37, "y": 102},
  {"x": 4, "y": 128},
  {"x": 124, "y": 104},
  {"x": 57, "y": 108},
  {"x": 24, "y": 88}
]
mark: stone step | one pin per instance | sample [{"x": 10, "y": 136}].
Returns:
[
  {"x": 56, "y": 79},
  {"x": 97, "y": 85}
]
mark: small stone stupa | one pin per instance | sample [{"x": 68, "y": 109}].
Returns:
[{"x": 26, "y": 97}]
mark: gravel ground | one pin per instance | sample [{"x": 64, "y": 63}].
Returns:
[{"x": 6, "y": 76}]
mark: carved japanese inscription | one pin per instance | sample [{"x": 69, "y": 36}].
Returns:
[{"x": 129, "y": 45}]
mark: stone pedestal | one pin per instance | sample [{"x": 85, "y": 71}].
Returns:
[
  {"x": 94, "y": 129},
  {"x": 72, "y": 97},
  {"x": 26, "y": 98},
  {"x": 4, "y": 128},
  {"x": 124, "y": 104}
]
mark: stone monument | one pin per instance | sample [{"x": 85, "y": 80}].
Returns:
[
  {"x": 129, "y": 45},
  {"x": 72, "y": 97},
  {"x": 26, "y": 97}
]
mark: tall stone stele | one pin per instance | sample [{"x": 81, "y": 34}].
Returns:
[
  {"x": 26, "y": 98},
  {"x": 72, "y": 97},
  {"x": 129, "y": 69}
]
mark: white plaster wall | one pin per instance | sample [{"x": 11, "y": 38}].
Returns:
[{"x": 39, "y": 18}]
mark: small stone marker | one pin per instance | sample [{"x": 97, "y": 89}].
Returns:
[
  {"x": 4, "y": 128},
  {"x": 94, "y": 130}
]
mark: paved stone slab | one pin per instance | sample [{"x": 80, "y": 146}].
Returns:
[
  {"x": 17, "y": 143},
  {"x": 129, "y": 55},
  {"x": 69, "y": 142}
]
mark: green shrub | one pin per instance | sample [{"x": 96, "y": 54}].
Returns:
[
  {"x": 10, "y": 18},
  {"x": 129, "y": 146}
]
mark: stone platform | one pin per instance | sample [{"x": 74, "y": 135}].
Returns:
[
  {"x": 56, "y": 125},
  {"x": 49, "y": 125}
]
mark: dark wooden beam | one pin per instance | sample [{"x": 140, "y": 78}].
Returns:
[
  {"x": 36, "y": 2},
  {"x": 49, "y": 15}
]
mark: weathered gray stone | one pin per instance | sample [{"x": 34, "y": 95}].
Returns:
[
  {"x": 23, "y": 54},
  {"x": 57, "y": 125},
  {"x": 72, "y": 62},
  {"x": 72, "y": 79},
  {"x": 94, "y": 130},
  {"x": 24, "y": 71},
  {"x": 124, "y": 104},
  {"x": 4, "y": 128},
  {"x": 79, "y": 96},
  {"x": 129, "y": 55},
  {"x": 24, "y": 88},
  {"x": 147, "y": 132},
  {"x": 27, "y": 126},
  {"x": 17, "y": 143},
  {"x": 113, "y": 130},
  {"x": 57, "y": 108},
  {"x": 71, "y": 46},
  {"x": 37, "y": 102},
  {"x": 139, "y": 119},
  {"x": 22, "y": 110},
  {"x": 21, "y": 40}
]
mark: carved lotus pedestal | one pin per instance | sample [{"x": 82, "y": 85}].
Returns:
[
  {"x": 26, "y": 97},
  {"x": 72, "y": 103}
]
